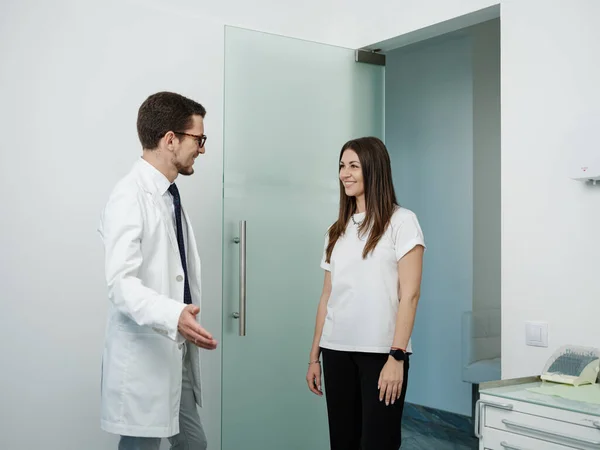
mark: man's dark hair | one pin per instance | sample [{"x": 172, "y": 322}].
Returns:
[{"x": 163, "y": 112}]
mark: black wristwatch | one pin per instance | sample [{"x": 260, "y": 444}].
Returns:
[{"x": 399, "y": 355}]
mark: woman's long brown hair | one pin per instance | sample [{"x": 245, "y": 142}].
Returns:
[{"x": 380, "y": 197}]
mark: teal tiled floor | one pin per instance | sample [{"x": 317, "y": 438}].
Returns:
[
  {"x": 427, "y": 429},
  {"x": 428, "y": 436}
]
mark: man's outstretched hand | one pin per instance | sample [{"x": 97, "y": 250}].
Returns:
[{"x": 192, "y": 331}]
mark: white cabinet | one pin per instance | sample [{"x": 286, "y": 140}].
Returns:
[
  {"x": 514, "y": 418},
  {"x": 495, "y": 439}
]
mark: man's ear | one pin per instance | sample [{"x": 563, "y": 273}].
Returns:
[{"x": 170, "y": 139}]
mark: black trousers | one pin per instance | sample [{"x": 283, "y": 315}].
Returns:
[{"x": 357, "y": 419}]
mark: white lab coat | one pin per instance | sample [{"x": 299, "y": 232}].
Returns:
[{"x": 142, "y": 358}]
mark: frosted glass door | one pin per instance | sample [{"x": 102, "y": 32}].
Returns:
[{"x": 289, "y": 107}]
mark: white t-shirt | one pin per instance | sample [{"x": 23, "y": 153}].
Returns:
[{"x": 363, "y": 305}]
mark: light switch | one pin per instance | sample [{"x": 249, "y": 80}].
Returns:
[{"x": 536, "y": 334}]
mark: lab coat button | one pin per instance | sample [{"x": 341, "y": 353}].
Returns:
[{"x": 179, "y": 278}]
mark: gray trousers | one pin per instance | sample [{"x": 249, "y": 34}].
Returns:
[{"x": 191, "y": 434}]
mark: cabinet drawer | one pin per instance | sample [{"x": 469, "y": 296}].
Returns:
[
  {"x": 502, "y": 440},
  {"x": 550, "y": 430},
  {"x": 541, "y": 410}
]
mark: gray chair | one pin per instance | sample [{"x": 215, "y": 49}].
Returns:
[{"x": 481, "y": 348}]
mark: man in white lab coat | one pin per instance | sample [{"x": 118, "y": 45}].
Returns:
[{"x": 151, "y": 362}]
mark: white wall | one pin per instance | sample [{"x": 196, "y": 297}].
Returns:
[
  {"x": 550, "y": 224},
  {"x": 71, "y": 79},
  {"x": 486, "y": 165},
  {"x": 347, "y": 23},
  {"x": 72, "y": 75}
]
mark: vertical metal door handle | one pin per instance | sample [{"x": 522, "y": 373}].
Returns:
[{"x": 242, "y": 278}]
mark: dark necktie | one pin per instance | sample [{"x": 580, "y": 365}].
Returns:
[{"x": 187, "y": 296}]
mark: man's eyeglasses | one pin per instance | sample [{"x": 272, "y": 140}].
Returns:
[{"x": 201, "y": 140}]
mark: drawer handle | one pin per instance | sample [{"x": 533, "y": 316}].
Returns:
[
  {"x": 553, "y": 434},
  {"x": 478, "y": 407},
  {"x": 507, "y": 446}
]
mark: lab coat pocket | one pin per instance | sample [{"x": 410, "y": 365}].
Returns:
[
  {"x": 116, "y": 360},
  {"x": 151, "y": 380}
]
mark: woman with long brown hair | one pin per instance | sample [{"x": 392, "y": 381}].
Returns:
[{"x": 373, "y": 261}]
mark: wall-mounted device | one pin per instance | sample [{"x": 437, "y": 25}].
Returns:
[{"x": 583, "y": 147}]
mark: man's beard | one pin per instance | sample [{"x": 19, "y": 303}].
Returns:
[{"x": 188, "y": 170}]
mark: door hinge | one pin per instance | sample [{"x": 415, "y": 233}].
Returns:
[{"x": 370, "y": 57}]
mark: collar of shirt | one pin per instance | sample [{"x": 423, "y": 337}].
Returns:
[{"x": 162, "y": 183}]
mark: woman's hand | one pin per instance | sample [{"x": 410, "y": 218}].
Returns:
[
  {"x": 313, "y": 378},
  {"x": 390, "y": 381}
]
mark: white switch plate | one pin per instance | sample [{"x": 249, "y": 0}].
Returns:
[{"x": 536, "y": 334}]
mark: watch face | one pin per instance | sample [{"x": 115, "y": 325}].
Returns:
[{"x": 398, "y": 355}]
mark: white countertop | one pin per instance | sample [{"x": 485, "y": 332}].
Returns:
[{"x": 521, "y": 392}]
